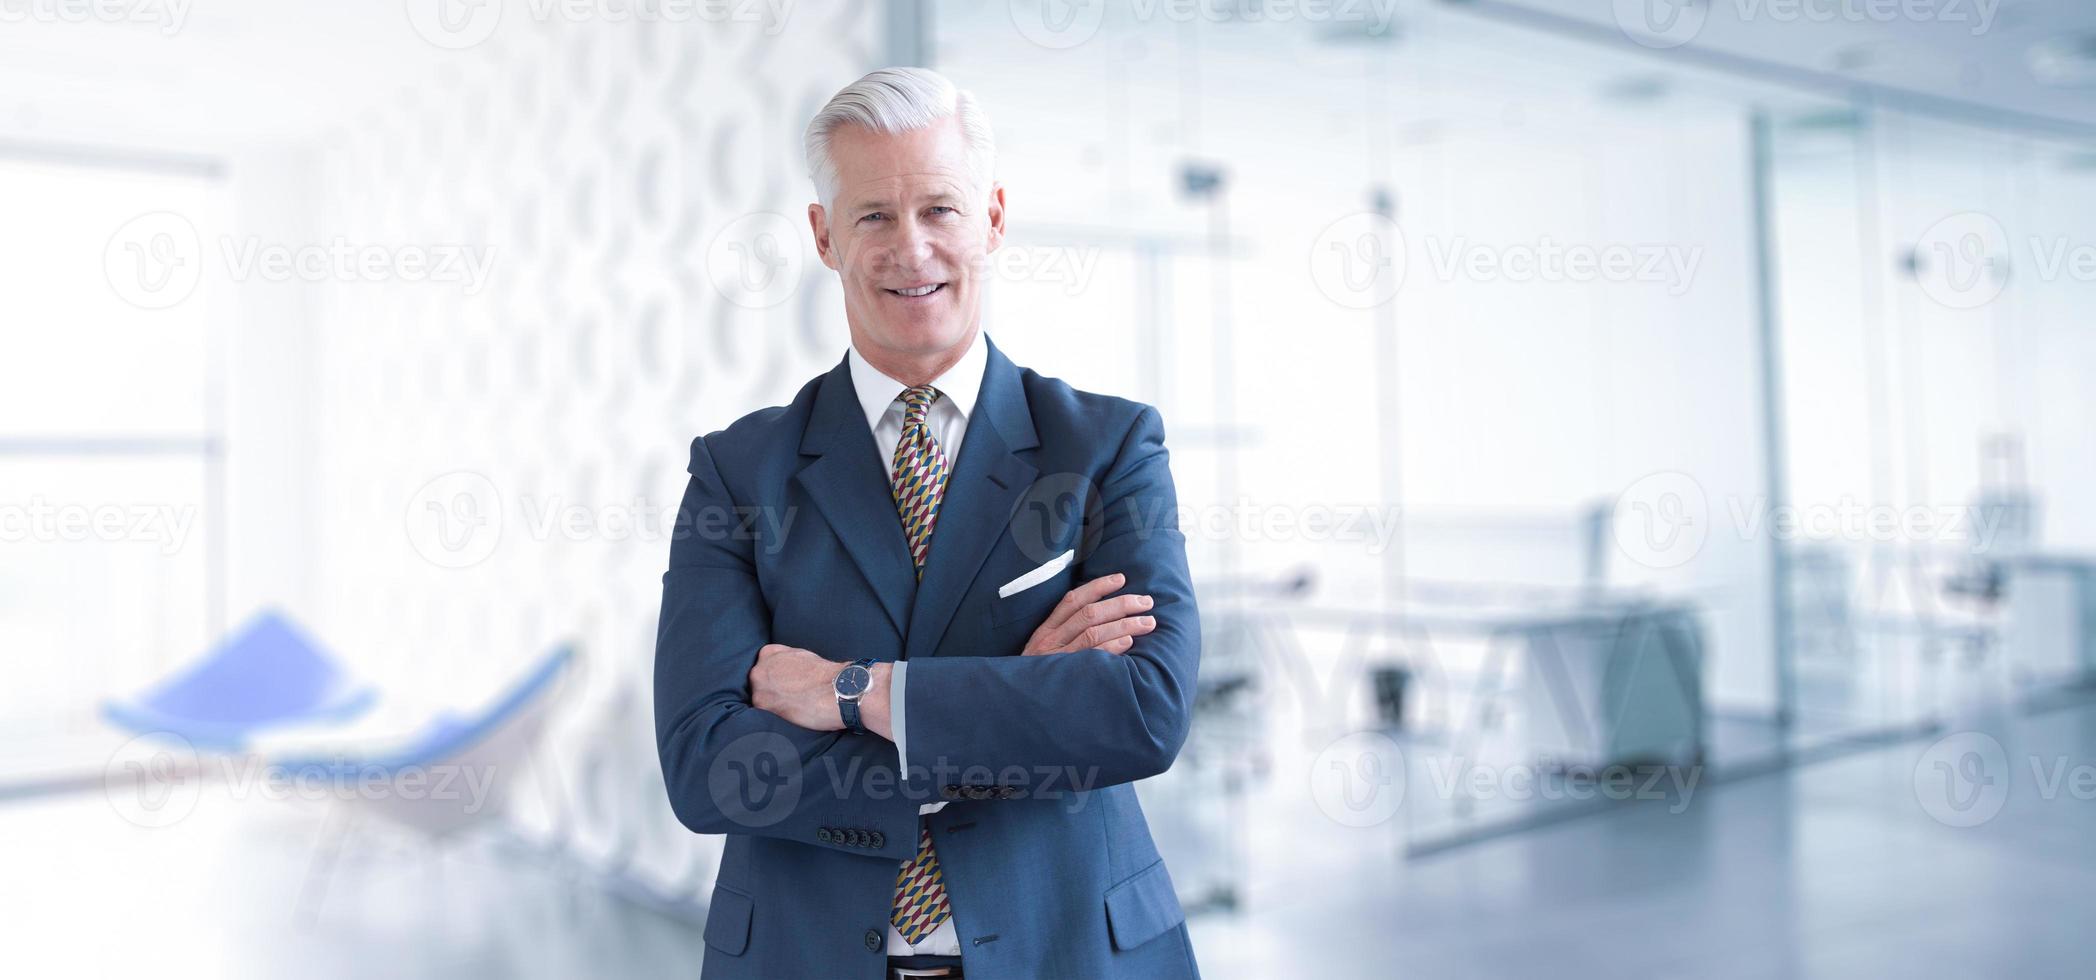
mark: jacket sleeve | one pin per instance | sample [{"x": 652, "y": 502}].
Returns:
[
  {"x": 731, "y": 768},
  {"x": 1089, "y": 715}
]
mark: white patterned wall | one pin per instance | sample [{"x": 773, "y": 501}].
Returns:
[{"x": 601, "y": 162}]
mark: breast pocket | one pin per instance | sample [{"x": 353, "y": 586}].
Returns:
[{"x": 1031, "y": 606}]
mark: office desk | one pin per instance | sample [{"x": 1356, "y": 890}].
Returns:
[
  {"x": 1614, "y": 679},
  {"x": 2050, "y": 629}
]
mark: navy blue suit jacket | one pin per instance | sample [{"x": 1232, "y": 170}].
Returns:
[{"x": 789, "y": 534}]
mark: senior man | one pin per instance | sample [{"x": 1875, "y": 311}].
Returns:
[{"x": 916, "y": 706}]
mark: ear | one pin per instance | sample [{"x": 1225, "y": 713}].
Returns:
[
  {"x": 996, "y": 213},
  {"x": 819, "y": 223}
]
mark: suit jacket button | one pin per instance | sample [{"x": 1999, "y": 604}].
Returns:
[
  {"x": 880, "y": 840},
  {"x": 823, "y": 834},
  {"x": 1007, "y": 792},
  {"x": 873, "y": 940},
  {"x": 858, "y": 837},
  {"x": 950, "y": 791},
  {"x": 978, "y": 792}
]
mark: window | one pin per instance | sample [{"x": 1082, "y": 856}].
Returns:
[{"x": 108, "y": 433}]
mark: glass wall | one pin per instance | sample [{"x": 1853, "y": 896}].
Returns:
[
  {"x": 1451, "y": 328},
  {"x": 1934, "y": 286},
  {"x": 107, "y": 434}
]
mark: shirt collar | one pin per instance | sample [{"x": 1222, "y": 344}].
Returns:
[{"x": 960, "y": 384}]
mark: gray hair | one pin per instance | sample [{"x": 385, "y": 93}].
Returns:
[{"x": 897, "y": 100}]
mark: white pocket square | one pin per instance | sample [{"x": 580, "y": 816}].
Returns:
[{"x": 1038, "y": 575}]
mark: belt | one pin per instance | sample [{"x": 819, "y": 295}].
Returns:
[{"x": 900, "y": 967}]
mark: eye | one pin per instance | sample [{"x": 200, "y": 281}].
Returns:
[
  {"x": 943, "y": 210},
  {"x": 874, "y": 216}
]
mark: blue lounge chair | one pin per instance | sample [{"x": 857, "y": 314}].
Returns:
[
  {"x": 453, "y": 771},
  {"x": 268, "y": 675}
]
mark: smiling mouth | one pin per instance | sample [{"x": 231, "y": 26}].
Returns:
[{"x": 915, "y": 292}]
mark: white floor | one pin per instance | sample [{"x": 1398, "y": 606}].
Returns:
[{"x": 1835, "y": 869}]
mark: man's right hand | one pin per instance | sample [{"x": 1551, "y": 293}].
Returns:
[{"x": 1087, "y": 618}]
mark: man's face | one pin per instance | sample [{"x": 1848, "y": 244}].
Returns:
[{"x": 908, "y": 233}]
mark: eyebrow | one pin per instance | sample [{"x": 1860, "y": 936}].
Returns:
[{"x": 948, "y": 198}]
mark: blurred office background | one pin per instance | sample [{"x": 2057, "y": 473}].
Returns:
[{"x": 1630, "y": 452}]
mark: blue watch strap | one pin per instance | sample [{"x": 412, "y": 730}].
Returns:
[
  {"x": 848, "y": 708},
  {"x": 849, "y": 711}
]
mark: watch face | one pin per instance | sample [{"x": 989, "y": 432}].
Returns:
[{"x": 853, "y": 681}]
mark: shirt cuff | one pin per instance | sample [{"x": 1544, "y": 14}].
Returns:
[
  {"x": 895, "y": 724},
  {"x": 895, "y": 716}
]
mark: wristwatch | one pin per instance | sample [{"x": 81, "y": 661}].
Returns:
[{"x": 852, "y": 683}]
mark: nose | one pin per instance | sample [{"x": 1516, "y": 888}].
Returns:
[
  {"x": 913, "y": 246},
  {"x": 907, "y": 250}
]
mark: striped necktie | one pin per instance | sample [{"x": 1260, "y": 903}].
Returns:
[{"x": 919, "y": 483}]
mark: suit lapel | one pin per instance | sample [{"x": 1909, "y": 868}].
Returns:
[
  {"x": 985, "y": 486},
  {"x": 850, "y": 486}
]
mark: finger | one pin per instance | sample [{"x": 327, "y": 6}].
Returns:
[
  {"x": 1092, "y": 614},
  {"x": 770, "y": 648},
  {"x": 1100, "y": 635},
  {"x": 1103, "y": 611},
  {"x": 1119, "y": 646},
  {"x": 1041, "y": 642},
  {"x": 1082, "y": 596}
]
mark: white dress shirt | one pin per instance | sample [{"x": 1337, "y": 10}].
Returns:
[{"x": 948, "y": 420}]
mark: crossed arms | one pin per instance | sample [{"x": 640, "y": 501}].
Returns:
[{"x": 1111, "y": 711}]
